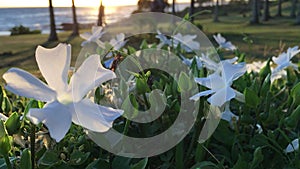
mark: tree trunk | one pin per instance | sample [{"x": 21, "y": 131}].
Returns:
[
  {"x": 279, "y": 13},
  {"x": 216, "y": 12},
  {"x": 293, "y": 9},
  {"x": 255, "y": 12},
  {"x": 101, "y": 14},
  {"x": 266, "y": 15},
  {"x": 75, "y": 23},
  {"x": 298, "y": 16},
  {"x": 173, "y": 7},
  {"x": 53, "y": 34},
  {"x": 192, "y": 10}
]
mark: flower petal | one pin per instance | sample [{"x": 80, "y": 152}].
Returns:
[
  {"x": 228, "y": 116},
  {"x": 85, "y": 35},
  {"x": 221, "y": 96},
  {"x": 89, "y": 75},
  {"x": 24, "y": 84},
  {"x": 293, "y": 146},
  {"x": 204, "y": 93},
  {"x": 54, "y": 65},
  {"x": 232, "y": 72},
  {"x": 94, "y": 117},
  {"x": 55, "y": 116}
]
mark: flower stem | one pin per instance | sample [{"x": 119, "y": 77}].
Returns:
[
  {"x": 127, "y": 123},
  {"x": 32, "y": 145},
  {"x": 7, "y": 161}
]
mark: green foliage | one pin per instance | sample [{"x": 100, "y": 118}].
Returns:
[
  {"x": 21, "y": 30},
  {"x": 238, "y": 144}
]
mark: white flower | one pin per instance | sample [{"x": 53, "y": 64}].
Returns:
[
  {"x": 284, "y": 59},
  {"x": 3, "y": 117},
  {"x": 163, "y": 39},
  {"x": 227, "y": 45},
  {"x": 227, "y": 115},
  {"x": 220, "y": 85},
  {"x": 255, "y": 66},
  {"x": 214, "y": 65},
  {"x": 278, "y": 75},
  {"x": 187, "y": 42},
  {"x": 118, "y": 42},
  {"x": 293, "y": 146},
  {"x": 259, "y": 128},
  {"x": 97, "y": 33},
  {"x": 189, "y": 62},
  {"x": 65, "y": 102}
]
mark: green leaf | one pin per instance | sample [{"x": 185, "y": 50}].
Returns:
[
  {"x": 5, "y": 145},
  {"x": 142, "y": 86},
  {"x": 265, "y": 71},
  {"x": 13, "y": 124},
  {"x": 130, "y": 107},
  {"x": 258, "y": 158},
  {"x": 121, "y": 163},
  {"x": 6, "y": 105},
  {"x": 49, "y": 158},
  {"x": 295, "y": 93},
  {"x": 294, "y": 118},
  {"x": 32, "y": 104},
  {"x": 144, "y": 45},
  {"x": 265, "y": 87},
  {"x": 26, "y": 159},
  {"x": 140, "y": 165},
  {"x": 251, "y": 98},
  {"x": 100, "y": 163},
  {"x": 241, "y": 163},
  {"x": 131, "y": 50},
  {"x": 179, "y": 156},
  {"x": 5, "y": 140},
  {"x": 204, "y": 165},
  {"x": 78, "y": 157},
  {"x": 184, "y": 82}
]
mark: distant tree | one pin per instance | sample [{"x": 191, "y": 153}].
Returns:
[
  {"x": 266, "y": 14},
  {"x": 293, "y": 8},
  {"x": 255, "y": 12},
  {"x": 53, "y": 34},
  {"x": 298, "y": 16},
  {"x": 216, "y": 12},
  {"x": 75, "y": 23},
  {"x": 101, "y": 15},
  {"x": 152, "y": 5},
  {"x": 192, "y": 10},
  {"x": 279, "y": 11},
  {"x": 158, "y": 5},
  {"x": 173, "y": 7}
]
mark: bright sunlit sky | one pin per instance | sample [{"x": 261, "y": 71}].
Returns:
[{"x": 66, "y": 3}]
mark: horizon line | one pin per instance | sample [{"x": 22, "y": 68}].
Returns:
[{"x": 1, "y": 7}]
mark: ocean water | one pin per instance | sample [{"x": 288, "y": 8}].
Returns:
[{"x": 38, "y": 18}]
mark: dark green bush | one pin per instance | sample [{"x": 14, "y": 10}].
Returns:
[{"x": 21, "y": 30}]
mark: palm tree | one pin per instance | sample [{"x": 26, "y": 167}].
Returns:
[
  {"x": 216, "y": 12},
  {"x": 100, "y": 14},
  {"x": 298, "y": 16},
  {"x": 192, "y": 10},
  {"x": 279, "y": 8},
  {"x": 293, "y": 10},
  {"x": 255, "y": 12},
  {"x": 53, "y": 34},
  {"x": 173, "y": 7},
  {"x": 266, "y": 15},
  {"x": 75, "y": 23}
]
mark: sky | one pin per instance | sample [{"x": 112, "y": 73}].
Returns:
[{"x": 66, "y": 3}]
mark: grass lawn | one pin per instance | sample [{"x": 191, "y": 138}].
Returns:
[{"x": 269, "y": 39}]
